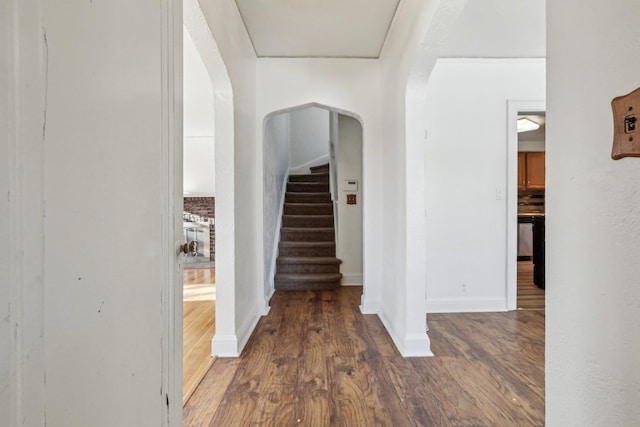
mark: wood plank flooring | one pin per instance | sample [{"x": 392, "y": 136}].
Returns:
[
  {"x": 529, "y": 295},
  {"x": 198, "y": 326},
  {"x": 315, "y": 360}
]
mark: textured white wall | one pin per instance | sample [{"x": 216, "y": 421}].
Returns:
[
  {"x": 276, "y": 148},
  {"x": 309, "y": 138},
  {"x": 498, "y": 29},
  {"x": 593, "y": 218},
  {"x": 466, "y": 170},
  {"x": 349, "y": 158}
]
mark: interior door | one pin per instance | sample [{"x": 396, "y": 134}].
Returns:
[{"x": 103, "y": 152}]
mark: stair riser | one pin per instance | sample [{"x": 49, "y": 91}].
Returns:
[
  {"x": 300, "y": 252},
  {"x": 307, "y": 221},
  {"x": 309, "y": 178},
  {"x": 308, "y": 268},
  {"x": 320, "y": 169},
  {"x": 307, "y": 198},
  {"x": 319, "y": 209},
  {"x": 308, "y": 187},
  {"x": 307, "y": 236},
  {"x": 307, "y": 286}
]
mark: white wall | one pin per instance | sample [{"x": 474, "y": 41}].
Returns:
[
  {"x": 239, "y": 222},
  {"x": 533, "y": 140},
  {"x": 199, "y": 166},
  {"x": 276, "y": 148},
  {"x": 198, "y": 93},
  {"x": 498, "y": 29},
  {"x": 198, "y": 113},
  {"x": 466, "y": 173},
  {"x": 349, "y": 158},
  {"x": 349, "y": 86},
  {"x": 593, "y": 228},
  {"x": 309, "y": 138}
]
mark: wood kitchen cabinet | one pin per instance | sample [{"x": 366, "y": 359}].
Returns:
[{"x": 531, "y": 170}]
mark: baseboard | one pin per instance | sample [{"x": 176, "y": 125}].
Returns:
[
  {"x": 304, "y": 169},
  {"x": 246, "y": 331},
  {"x": 224, "y": 346},
  {"x": 369, "y": 306},
  {"x": 232, "y": 345},
  {"x": 411, "y": 345},
  {"x": 469, "y": 305},
  {"x": 276, "y": 241},
  {"x": 351, "y": 279}
]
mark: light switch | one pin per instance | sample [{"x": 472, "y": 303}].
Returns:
[{"x": 626, "y": 136}]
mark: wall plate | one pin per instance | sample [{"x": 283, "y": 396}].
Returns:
[{"x": 626, "y": 136}]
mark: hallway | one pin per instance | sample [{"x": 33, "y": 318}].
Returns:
[{"x": 315, "y": 360}]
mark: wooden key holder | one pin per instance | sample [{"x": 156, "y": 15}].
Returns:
[{"x": 626, "y": 136}]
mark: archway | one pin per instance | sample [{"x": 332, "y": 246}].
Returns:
[{"x": 304, "y": 136}]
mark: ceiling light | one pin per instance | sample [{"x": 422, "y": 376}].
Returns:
[{"x": 525, "y": 125}]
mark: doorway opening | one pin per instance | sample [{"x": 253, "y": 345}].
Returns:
[
  {"x": 530, "y": 126},
  {"x": 297, "y": 142},
  {"x": 199, "y": 289}
]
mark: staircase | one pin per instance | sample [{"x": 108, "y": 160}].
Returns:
[{"x": 307, "y": 252}]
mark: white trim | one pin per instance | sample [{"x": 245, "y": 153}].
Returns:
[
  {"x": 511, "y": 272},
  {"x": 304, "y": 168},
  {"x": 26, "y": 82},
  {"x": 276, "y": 242},
  {"x": 411, "y": 345},
  {"x": 232, "y": 345},
  {"x": 465, "y": 305},
  {"x": 224, "y": 346},
  {"x": 172, "y": 140},
  {"x": 351, "y": 279},
  {"x": 369, "y": 306}
]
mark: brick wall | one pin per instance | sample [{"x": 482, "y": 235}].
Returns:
[{"x": 204, "y": 207}]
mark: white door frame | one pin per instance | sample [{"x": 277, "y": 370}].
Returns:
[
  {"x": 171, "y": 63},
  {"x": 513, "y": 109}
]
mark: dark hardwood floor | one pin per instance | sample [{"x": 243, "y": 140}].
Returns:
[
  {"x": 529, "y": 295},
  {"x": 315, "y": 360}
]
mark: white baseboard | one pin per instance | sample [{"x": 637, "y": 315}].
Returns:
[
  {"x": 232, "y": 345},
  {"x": 369, "y": 306},
  {"x": 224, "y": 346},
  {"x": 469, "y": 305},
  {"x": 409, "y": 345},
  {"x": 304, "y": 168},
  {"x": 246, "y": 330},
  {"x": 276, "y": 241},
  {"x": 351, "y": 279}
]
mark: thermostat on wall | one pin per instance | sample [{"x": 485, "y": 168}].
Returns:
[{"x": 350, "y": 185}]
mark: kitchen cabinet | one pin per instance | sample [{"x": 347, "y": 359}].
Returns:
[{"x": 531, "y": 170}]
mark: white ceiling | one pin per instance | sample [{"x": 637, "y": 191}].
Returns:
[{"x": 318, "y": 28}]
